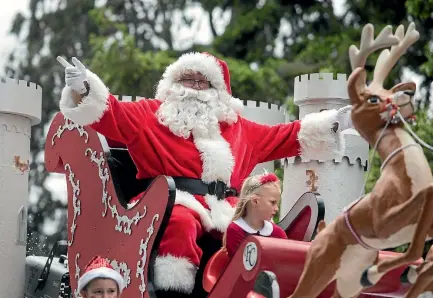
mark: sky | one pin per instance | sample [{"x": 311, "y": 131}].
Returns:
[{"x": 7, "y": 14}]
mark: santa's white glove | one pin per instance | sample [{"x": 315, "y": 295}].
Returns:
[
  {"x": 75, "y": 75},
  {"x": 344, "y": 119}
]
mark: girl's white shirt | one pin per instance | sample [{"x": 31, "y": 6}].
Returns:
[{"x": 265, "y": 231}]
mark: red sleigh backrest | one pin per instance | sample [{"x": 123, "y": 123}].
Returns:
[
  {"x": 123, "y": 170},
  {"x": 301, "y": 221},
  {"x": 97, "y": 221}
]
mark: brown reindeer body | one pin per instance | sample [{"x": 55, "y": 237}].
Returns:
[{"x": 398, "y": 209}]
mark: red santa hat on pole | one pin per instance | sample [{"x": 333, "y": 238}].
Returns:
[
  {"x": 214, "y": 69},
  {"x": 99, "y": 267}
]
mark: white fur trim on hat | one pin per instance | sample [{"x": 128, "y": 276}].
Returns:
[
  {"x": 102, "y": 272},
  {"x": 207, "y": 65},
  {"x": 317, "y": 140}
]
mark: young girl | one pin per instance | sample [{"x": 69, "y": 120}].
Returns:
[
  {"x": 100, "y": 280},
  {"x": 258, "y": 204}
]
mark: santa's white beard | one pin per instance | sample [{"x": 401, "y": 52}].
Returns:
[{"x": 185, "y": 111}]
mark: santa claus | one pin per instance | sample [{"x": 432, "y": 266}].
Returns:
[{"x": 193, "y": 132}]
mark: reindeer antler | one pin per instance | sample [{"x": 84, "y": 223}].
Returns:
[
  {"x": 387, "y": 59},
  {"x": 369, "y": 45}
]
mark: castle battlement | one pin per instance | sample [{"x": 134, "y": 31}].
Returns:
[
  {"x": 247, "y": 103},
  {"x": 320, "y": 86},
  {"x": 264, "y": 106},
  {"x": 22, "y": 98},
  {"x": 24, "y": 83},
  {"x": 263, "y": 112}
]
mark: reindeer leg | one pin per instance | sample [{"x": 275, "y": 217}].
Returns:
[
  {"x": 410, "y": 274},
  {"x": 374, "y": 273},
  {"x": 354, "y": 261},
  {"x": 322, "y": 262},
  {"x": 337, "y": 295},
  {"x": 423, "y": 282}
]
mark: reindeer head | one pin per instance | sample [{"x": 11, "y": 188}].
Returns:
[{"x": 370, "y": 103}]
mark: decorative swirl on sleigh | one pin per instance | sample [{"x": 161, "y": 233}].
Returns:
[
  {"x": 69, "y": 125},
  {"x": 143, "y": 253},
  {"x": 124, "y": 223},
  {"x": 76, "y": 202}
]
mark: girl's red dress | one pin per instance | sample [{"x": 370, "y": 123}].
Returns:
[{"x": 239, "y": 229}]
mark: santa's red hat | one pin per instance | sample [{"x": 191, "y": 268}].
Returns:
[
  {"x": 99, "y": 267},
  {"x": 215, "y": 70}
]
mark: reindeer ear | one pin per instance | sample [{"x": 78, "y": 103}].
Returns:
[
  {"x": 404, "y": 87},
  {"x": 356, "y": 85}
]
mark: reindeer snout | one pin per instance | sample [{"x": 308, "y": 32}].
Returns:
[{"x": 405, "y": 102}]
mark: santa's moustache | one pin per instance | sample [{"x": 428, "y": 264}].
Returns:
[{"x": 185, "y": 111}]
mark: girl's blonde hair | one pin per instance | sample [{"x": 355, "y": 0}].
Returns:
[{"x": 250, "y": 187}]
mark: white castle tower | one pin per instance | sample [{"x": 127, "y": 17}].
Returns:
[
  {"x": 20, "y": 108},
  {"x": 337, "y": 181},
  {"x": 264, "y": 113}
]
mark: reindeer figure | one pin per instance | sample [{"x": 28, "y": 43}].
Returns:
[
  {"x": 398, "y": 210},
  {"x": 421, "y": 277}
]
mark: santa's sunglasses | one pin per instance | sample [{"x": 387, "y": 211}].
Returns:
[{"x": 190, "y": 83}]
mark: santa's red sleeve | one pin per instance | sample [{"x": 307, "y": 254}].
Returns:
[
  {"x": 313, "y": 138},
  {"x": 235, "y": 236},
  {"x": 278, "y": 232},
  {"x": 119, "y": 121}
]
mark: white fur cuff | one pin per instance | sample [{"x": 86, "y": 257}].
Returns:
[
  {"x": 317, "y": 139},
  {"x": 93, "y": 106},
  {"x": 187, "y": 200},
  {"x": 221, "y": 212},
  {"x": 173, "y": 273}
]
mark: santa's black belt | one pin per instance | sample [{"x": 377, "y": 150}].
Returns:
[{"x": 198, "y": 187}]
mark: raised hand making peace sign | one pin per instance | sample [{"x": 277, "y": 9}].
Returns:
[{"x": 75, "y": 76}]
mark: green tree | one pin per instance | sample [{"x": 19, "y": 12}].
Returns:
[{"x": 132, "y": 71}]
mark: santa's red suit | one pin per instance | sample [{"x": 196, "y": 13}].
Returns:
[{"x": 227, "y": 151}]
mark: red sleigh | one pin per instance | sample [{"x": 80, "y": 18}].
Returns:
[{"x": 101, "y": 180}]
